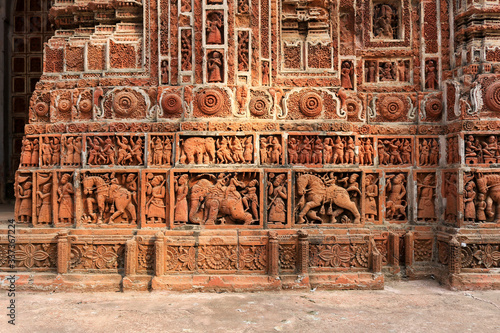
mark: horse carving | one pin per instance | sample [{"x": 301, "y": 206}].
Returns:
[
  {"x": 99, "y": 193},
  {"x": 314, "y": 193}
]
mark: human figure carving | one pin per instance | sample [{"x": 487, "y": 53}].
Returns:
[
  {"x": 293, "y": 156},
  {"x": 317, "y": 154},
  {"x": 251, "y": 199},
  {"x": 65, "y": 193},
  {"x": 396, "y": 203},
  {"x": 346, "y": 75},
  {"x": 425, "y": 197},
  {"x": 44, "y": 206},
  {"x": 214, "y": 26},
  {"x": 25, "y": 201},
  {"x": 155, "y": 205},
  {"x": 181, "y": 204},
  {"x": 55, "y": 145},
  {"x": 277, "y": 195},
  {"x": 215, "y": 67},
  {"x": 248, "y": 152},
  {"x": 431, "y": 81},
  {"x": 371, "y": 194},
  {"x": 469, "y": 196},
  {"x": 27, "y": 152},
  {"x": 338, "y": 151},
  {"x": 46, "y": 150}
]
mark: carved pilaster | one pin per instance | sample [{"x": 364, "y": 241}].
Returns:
[
  {"x": 131, "y": 257},
  {"x": 63, "y": 248},
  {"x": 455, "y": 262},
  {"x": 303, "y": 259},
  {"x": 273, "y": 267},
  {"x": 159, "y": 254},
  {"x": 393, "y": 258},
  {"x": 409, "y": 238}
]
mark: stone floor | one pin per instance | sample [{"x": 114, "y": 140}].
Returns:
[{"x": 414, "y": 306}]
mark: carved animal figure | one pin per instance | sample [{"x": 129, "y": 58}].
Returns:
[
  {"x": 217, "y": 199},
  {"x": 201, "y": 149},
  {"x": 99, "y": 192},
  {"x": 314, "y": 193}
]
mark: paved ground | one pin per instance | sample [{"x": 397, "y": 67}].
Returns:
[{"x": 416, "y": 306}]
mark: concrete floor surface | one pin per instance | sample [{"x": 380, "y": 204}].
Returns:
[{"x": 414, "y": 306}]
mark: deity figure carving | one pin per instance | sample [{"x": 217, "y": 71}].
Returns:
[
  {"x": 155, "y": 199},
  {"x": 107, "y": 199},
  {"x": 323, "y": 200},
  {"x": 215, "y": 27},
  {"x": 371, "y": 197},
  {"x": 277, "y": 198},
  {"x": 65, "y": 194},
  {"x": 425, "y": 197},
  {"x": 385, "y": 21},
  {"x": 396, "y": 202},
  {"x": 215, "y": 67},
  {"x": 224, "y": 199}
]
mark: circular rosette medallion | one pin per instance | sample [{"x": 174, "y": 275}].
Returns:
[
  {"x": 492, "y": 99},
  {"x": 171, "y": 103},
  {"x": 311, "y": 104},
  {"x": 259, "y": 106},
  {"x": 433, "y": 107},
  {"x": 85, "y": 105},
  {"x": 210, "y": 101},
  {"x": 64, "y": 105},
  {"x": 125, "y": 103},
  {"x": 392, "y": 108},
  {"x": 41, "y": 109},
  {"x": 353, "y": 107}
]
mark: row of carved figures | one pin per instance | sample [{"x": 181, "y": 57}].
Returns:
[
  {"x": 128, "y": 150},
  {"x": 110, "y": 198}
]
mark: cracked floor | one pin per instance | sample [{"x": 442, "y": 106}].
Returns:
[{"x": 414, "y": 306}]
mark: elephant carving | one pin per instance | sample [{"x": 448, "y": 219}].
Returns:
[
  {"x": 198, "y": 150},
  {"x": 218, "y": 201}
]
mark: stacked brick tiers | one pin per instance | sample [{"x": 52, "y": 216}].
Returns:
[{"x": 262, "y": 144}]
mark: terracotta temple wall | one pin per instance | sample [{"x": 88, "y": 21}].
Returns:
[{"x": 262, "y": 144}]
